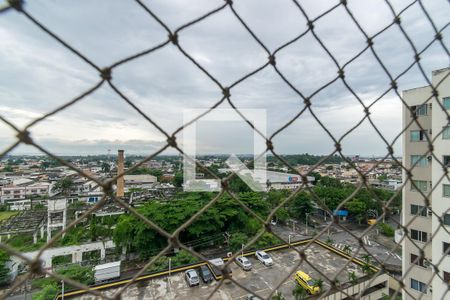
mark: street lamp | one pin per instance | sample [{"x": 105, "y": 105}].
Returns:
[{"x": 242, "y": 249}]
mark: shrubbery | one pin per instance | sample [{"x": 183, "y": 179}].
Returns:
[
  {"x": 50, "y": 287},
  {"x": 387, "y": 229}
]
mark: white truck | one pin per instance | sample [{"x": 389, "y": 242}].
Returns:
[{"x": 107, "y": 271}]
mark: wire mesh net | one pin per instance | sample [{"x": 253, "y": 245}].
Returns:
[{"x": 373, "y": 265}]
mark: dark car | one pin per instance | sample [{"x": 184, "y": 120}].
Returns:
[{"x": 205, "y": 274}]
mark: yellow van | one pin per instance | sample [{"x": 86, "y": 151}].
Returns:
[
  {"x": 306, "y": 282},
  {"x": 372, "y": 222}
]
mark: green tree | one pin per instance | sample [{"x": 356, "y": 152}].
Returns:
[
  {"x": 316, "y": 176},
  {"x": 318, "y": 283},
  {"x": 352, "y": 277},
  {"x": 282, "y": 215},
  {"x": 50, "y": 287},
  {"x": 64, "y": 185},
  {"x": 237, "y": 240},
  {"x": 237, "y": 185},
  {"x": 8, "y": 168},
  {"x": 330, "y": 182},
  {"x": 302, "y": 205},
  {"x": 329, "y": 241},
  {"x": 93, "y": 228},
  {"x": 178, "y": 179},
  {"x": 128, "y": 163},
  {"x": 4, "y": 270},
  {"x": 299, "y": 292},
  {"x": 357, "y": 208},
  {"x": 82, "y": 274},
  {"x": 48, "y": 292},
  {"x": 347, "y": 249},
  {"x": 278, "y": 296},
  {"x": 106, "y": 167}
]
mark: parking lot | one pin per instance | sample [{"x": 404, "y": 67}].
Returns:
[{"x": 261, "y": 279}]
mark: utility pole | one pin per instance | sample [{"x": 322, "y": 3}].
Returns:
[
  {"x": 170, "y": 265},
  {"x": 306, "y": 223},
  {"x": 62, "y": 289},
  {"x": 242, "y": 249}
]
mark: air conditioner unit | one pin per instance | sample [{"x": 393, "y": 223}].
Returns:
[
  {"x": 426, "y": 263},
  {"x": 429, "y": 212}
]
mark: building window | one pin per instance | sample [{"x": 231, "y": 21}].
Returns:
[
  {"x": 446, "y": 103},
  {"x": 446, "y": 190},
  {"x": 421, "y": 185},
  {"x": 446, "y": 133},
  {"x": 418, "y": 235},
  {"x": 447, "y": 277},
  {"x": 418, "y": 286},
  {"x": 446, "y": 160},
  {"x": 418, "y": 210},
  {"x": 420, "y": 110},
  {"x": 419, "y": 161},
  {"x": 417, "y": 135},
  {"x": 445, "y": 248},
  {"x": 416, "y": 260},
  {"x": 446, "y": 219},
  {"x": 7, "y": 192}
]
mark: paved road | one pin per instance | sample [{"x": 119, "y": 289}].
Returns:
[
  {"x": 21, "y": 297},
  {"x": 380, "y": 249}
]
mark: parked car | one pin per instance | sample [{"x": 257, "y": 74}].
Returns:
[
  {"x": 251, "y": 297},
  {"x": 192, "y": 277},
  {"x": 244, "y": 263},
  {"x": 264, "y": 258},
  {"x": 205, "y": 274},
  {"x": 216, "y": 264},
  {"x": 306, "y": 282}
]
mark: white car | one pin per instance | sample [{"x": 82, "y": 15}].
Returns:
[
  {"x": 244, "y": 263},
  {"x": 192, "y": 277},
  {"x": 264, "y": 258}
]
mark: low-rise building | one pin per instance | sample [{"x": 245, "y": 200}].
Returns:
[{"x": 14, "y": 192}]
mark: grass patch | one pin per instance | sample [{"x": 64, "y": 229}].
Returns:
[{"x": 6, "y": 214}]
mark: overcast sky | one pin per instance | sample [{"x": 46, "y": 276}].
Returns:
[{"x": 37, "y": 74}]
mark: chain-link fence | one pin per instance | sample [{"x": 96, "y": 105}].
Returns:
[{"x": 438, "y": 264}]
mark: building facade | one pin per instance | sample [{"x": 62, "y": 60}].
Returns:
[
  {"x": 8, "y": 193},
  {"x": 424, "y": 227}
]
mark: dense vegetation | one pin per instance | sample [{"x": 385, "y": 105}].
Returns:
[
  {"x": 226, "y": 215},
  {"x": 306, "y": 159},
  {"x": 50, "y": 287}
]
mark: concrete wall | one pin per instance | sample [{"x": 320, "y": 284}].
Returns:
[
  {"x": 415, "y": 97},
  {"x": 434, "y": 121},
  {"x": 76, "y": 251},
  {"x": 354, "y": 290},
  {"x": 440, "y": 204}
]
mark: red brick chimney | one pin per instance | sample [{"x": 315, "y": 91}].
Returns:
[{"x": 120, "y": 181}]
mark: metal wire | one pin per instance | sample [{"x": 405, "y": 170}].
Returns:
[{"x": 24, "y": 137}]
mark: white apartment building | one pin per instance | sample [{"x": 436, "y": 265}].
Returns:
[
  {"x": 424, "y": 227},
  {"x": 14, "y": 192}
]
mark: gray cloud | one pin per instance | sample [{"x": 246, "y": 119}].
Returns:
[{"x": 37, "y": 74}]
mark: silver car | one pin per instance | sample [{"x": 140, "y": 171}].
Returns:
[
  {"x": 192, "y": 277},
  {"x": 264, "y": 258},
  {"x": 244, "y": 263}
]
